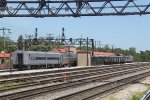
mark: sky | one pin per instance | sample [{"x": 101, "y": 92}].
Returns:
[{"x": 121, "y": 31}]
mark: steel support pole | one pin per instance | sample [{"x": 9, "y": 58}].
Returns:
[
  {"x": 46, "y": 59},
  {"x": 69, "y": 57},
  {"x": 87, "y": 53},
  {"x": 4, "y": 44},
  {"x": 92, "y": 40},
  {"x": 10, "y": 61}
]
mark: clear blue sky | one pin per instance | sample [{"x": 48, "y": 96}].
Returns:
[{"x": 123, "y": 31}]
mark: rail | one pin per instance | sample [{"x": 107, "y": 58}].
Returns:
[
  {"x": 146, "y": 96},
  {"x": 63, "y": 85}
]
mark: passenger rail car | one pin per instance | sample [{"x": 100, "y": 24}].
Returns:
[
  {"x": 33, "y": 59},
  {"x": 69, "y": 58}
]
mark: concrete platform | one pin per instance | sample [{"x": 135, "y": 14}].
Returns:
[{"x": 39, "y": 70}]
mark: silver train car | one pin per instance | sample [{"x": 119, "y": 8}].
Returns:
[{"x": 34, "y": 60}]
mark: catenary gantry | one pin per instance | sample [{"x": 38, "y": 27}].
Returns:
[{"x": 75, "y": 8}]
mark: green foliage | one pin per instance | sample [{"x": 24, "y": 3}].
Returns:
[
  {"x": 137, "y": 95},
  {"x": 137, "y": 57},
  {"x": 39, "y": 48},
  {"x": 10, "y": 45},
  {"x": 44, "y": 47},
  {"x": 112, "y": 98},
  {"x": 1, "y": 43},
  {"x": 10, "y": 85},
  {"x": 2, "y": 85}
]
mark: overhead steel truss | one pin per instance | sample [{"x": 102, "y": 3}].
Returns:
[
  {"x": 75, "y": 8},
  {"x": 55, "y": 41}
]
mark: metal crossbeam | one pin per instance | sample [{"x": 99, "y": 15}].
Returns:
[
  {"x": 74, "y": 8},
  {"x": 79, "y": 41}
]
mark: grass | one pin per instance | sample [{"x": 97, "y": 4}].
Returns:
[
  {"x": 6, "y": 84},
  {"x": 139, "y": 95},
  {"x": 112, "y": 98},
  {"x": 9, "y": 85},
  {"x": 148, "y": 86}
]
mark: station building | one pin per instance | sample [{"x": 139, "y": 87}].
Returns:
[
  {"x": 65, "y": 49},
  {"x": 7, "y": 57},
  {"x": 4, "y": 55}
]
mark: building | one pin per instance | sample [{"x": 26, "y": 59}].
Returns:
[
  {"x": 74, "y": 50},
  {"x": 58, "y": 50},
  {"x": 2, "y": 55},
  {"x": 65, "y": 49}
]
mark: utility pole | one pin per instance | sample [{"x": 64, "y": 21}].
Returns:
[
  {"x": 92, "y": 40},
  {"x": 4, "y": 29},
  {"x": 95, "y": 46},
  {"x": 99, "y": 46},
  {"x": 112, "y": 48},
  {"x": 10, "y": 51}
]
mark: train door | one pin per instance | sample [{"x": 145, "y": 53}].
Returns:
[{"x": 20, "y": 60}]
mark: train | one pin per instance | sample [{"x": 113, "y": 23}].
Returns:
[
  {"x": 113, "y": 59},
  {"x": 35, "y": 59}
]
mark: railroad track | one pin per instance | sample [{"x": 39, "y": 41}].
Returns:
[
  {"x": 17, "y": 77},
  {"x": 7, "y": 70},
  {"x": 59, "y": 70},
  {"x": 58, "y": 77},
  {"x": 69, "y": 84},
  {"x": 146, "y": 96},
  {"x": 103, "y": 87},
  {"x": 23, "y": 77}
]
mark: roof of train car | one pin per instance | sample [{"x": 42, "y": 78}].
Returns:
[
  {"x": 104, "y": 53},
  {"x": 107, "y": 56},
  {"x": 21, "y": 51}
]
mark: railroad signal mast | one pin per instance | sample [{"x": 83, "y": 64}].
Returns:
[{"x": 63, "y": 35}]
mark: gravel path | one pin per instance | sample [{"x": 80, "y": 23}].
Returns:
[
  {"x": 41, "y": 70},
  {"x": 127, "y": 93}
]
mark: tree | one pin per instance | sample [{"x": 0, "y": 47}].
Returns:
[
  {"x": 10, "y": 44},
  {"x": 1, "y": 44},
  {"x": 137, "y": 57},
  {"x": 107, "y": 49},
  {"x": 132, "y": 50}
]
